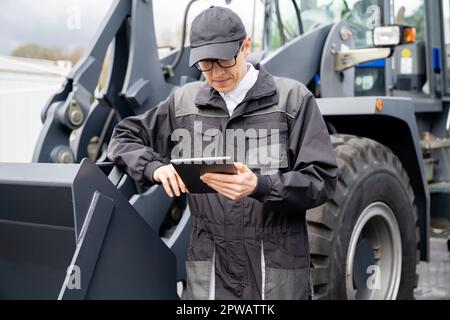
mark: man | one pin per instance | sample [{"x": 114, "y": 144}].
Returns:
[{"x": 249, "y": 240}]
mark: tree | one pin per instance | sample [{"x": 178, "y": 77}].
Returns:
[{"x": 36, "y": 51}]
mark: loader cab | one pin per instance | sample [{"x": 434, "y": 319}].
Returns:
[
  {"x": 299, "y": 17},
  {"x": 405, "y": 72},
  {"x": 288, "y": 19}
]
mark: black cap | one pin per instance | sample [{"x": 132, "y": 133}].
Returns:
[{"x": 215, "y": 34}]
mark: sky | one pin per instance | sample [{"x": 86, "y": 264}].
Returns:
[
  {"x": 47, "y": 22},
  {"x": 69, "y": 24}
]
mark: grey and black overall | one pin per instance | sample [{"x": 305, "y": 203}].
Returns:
[{"x": 256, "y": 247}]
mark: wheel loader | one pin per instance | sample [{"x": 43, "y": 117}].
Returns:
[{"x": 74, "y": 226}]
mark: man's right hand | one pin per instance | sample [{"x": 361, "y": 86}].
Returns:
[{"x": 169, "y": 178}]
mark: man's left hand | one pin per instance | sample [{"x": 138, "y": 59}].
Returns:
[{"x": 232, "y": 186}]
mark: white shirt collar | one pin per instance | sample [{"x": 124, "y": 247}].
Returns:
[{"x": 249, "y": 80}]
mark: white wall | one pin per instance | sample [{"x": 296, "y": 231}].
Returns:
[{"x": 22, "y": 98}]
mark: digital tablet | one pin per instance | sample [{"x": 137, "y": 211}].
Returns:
[{"x": 191, "y": 169}]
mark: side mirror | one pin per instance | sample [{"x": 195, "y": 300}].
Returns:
[{"x": 392, "y": 36}]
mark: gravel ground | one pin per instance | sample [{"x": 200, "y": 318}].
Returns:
[{"x": 434, "y": 277}]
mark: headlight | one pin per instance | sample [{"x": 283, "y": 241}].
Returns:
[
  {"x": 386, "y": 36},
  {"x": 392, "y": 36}
]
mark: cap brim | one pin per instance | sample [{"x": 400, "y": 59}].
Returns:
[{"x": 225, "y": 50}]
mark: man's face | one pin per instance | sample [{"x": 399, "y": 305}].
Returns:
[{"x": 226, "y": 80}]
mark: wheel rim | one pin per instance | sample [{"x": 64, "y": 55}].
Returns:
[{"x": 374, "y": 259}]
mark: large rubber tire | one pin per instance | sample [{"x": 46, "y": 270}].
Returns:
[{"x": 370, "y": 175}]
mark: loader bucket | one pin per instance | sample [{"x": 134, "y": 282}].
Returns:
[{"x": 66, "y": 232}]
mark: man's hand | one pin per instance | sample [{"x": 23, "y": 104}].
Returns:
[
  {"x": 235, "y": 186},
  {"x": 169, "y": 178}
]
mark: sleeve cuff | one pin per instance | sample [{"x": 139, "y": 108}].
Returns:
[
  {"x": 150, "y": 169},
  {"x": 263, "y": 188}
]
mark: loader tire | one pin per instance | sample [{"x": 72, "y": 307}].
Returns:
[{"x": 364, "y": 242}]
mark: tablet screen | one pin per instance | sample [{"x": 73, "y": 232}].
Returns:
[{"x": 191, "y": 169}]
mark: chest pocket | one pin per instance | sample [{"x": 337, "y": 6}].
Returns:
[{"x": 266, "y": 146}]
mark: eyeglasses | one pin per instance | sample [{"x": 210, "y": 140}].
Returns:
[{"x": 208, "y": 65}]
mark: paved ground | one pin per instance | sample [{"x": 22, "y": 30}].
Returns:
[{"x": 434, "y": 277}]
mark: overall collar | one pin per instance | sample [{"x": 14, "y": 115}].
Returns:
[{"x": 263, "y": 88}]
